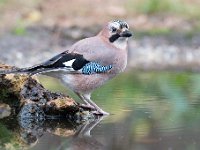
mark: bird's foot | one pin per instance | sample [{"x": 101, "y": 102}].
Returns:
[
  {"x": 87, "y": 106},
  {"x": 100, "y": 112}
]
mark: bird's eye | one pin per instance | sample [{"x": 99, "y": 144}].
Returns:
[{"x": 114, "y": 29}]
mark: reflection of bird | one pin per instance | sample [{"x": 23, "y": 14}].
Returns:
[
  {"x": 82, "y": 139},
  {"x": 89, "y": 63}
]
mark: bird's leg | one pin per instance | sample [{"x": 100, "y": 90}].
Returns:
[
  {"x": 98, "y": 111},
  {"x": 87, "y": 104}
]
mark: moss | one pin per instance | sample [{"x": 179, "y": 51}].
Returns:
[
  {"x": 5, "y": 136},
  {"x": 19, "y": 30}
]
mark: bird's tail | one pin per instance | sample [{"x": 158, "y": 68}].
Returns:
[
  {"x": 15, "y": 71},
  {"x": 30, "y": 70}
]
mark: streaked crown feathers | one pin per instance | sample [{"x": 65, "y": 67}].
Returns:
[{"x": 118, "y": 24}]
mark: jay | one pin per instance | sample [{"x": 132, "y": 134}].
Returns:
[{"x": 88, "y": 63}]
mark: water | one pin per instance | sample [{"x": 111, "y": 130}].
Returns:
[{"x": 149, "y": 111}]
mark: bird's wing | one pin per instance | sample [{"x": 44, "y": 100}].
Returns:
[{"x": 68, "y": 62}]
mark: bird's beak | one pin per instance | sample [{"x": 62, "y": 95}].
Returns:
[{"x": 126, "y": 33}]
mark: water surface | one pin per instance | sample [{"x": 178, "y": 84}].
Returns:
[{"x": 149, "y": 111}]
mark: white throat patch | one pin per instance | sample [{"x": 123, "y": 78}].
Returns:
[{"x": 121, "y": 43}]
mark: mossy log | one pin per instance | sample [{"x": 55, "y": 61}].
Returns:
[
  {"x": 28, "y": 110},
  {"x": 27, "y": 98}
]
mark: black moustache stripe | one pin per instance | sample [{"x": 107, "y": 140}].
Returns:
[{"x": 114, "y": 38}]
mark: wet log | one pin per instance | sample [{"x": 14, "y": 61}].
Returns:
[{"x": 27, "y": 98}]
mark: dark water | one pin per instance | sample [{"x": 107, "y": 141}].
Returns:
[{"x": 149, "y": 111}]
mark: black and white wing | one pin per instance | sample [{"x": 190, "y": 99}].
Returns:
[{"x": 68, "y": 62}]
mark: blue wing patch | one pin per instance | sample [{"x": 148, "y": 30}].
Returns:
[{"x": 94, "y": 67}]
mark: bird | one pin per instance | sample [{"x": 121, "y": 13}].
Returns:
[{"x": 89, "y": 63}]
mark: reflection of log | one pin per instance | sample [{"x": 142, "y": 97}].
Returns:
[
  {"x": 23, "y": 93},
  {"x": 26, "y": 135}
]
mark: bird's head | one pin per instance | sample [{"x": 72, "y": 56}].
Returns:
[{"x": 117, "y": 32}]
